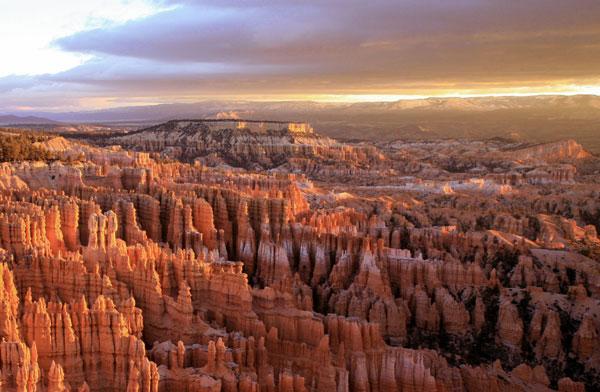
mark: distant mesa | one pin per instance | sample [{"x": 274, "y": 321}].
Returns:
[
  {"x": 235, "y": 142},
  {"x": 257, "y": 126}
]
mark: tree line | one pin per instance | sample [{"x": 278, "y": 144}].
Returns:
[{"x": 20, "y": 146}]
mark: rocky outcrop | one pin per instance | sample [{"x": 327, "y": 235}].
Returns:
[
  {"x": 565, "y": 150},
  {"x": 585, "y": 340},
  {"x": 96, "y": 345}
]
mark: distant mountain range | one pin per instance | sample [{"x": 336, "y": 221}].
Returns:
[
  {"x": 533, "y": 118},
  {"x": 577, "y": 106},
  {"x": 10, "y": 119}
]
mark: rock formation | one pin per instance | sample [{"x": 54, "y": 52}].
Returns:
[{"x": 123, "y": 271}]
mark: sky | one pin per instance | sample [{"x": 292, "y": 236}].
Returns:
[{"x": 69, "y": 55}]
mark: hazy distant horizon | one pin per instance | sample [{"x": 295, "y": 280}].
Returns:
[
  {"x": 333, "y": 102},
  {"x": 528, "y": 118}
]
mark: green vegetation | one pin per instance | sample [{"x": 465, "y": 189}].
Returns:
[{"x": 19, "y": 146}]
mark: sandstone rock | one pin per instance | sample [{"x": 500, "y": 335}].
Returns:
[{"x": 510, "y": 326}]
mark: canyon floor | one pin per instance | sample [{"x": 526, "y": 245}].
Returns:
[{"x": 231, "y": 255}]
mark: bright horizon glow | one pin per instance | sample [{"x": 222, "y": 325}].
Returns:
[
  {"x": 109, "y": 102},
  {"x": 568, "y": 90}
]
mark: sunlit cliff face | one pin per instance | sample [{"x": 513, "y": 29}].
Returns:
[{"x": 115, "y": 52}]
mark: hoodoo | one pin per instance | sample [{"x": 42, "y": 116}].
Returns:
[{"x": 344, "y": 269}]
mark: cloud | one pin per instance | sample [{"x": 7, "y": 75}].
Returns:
[
  {"x": 211, "y": 47},
  {"x": 42, "y": 92},
  {"x": 407, "y": 40}
]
